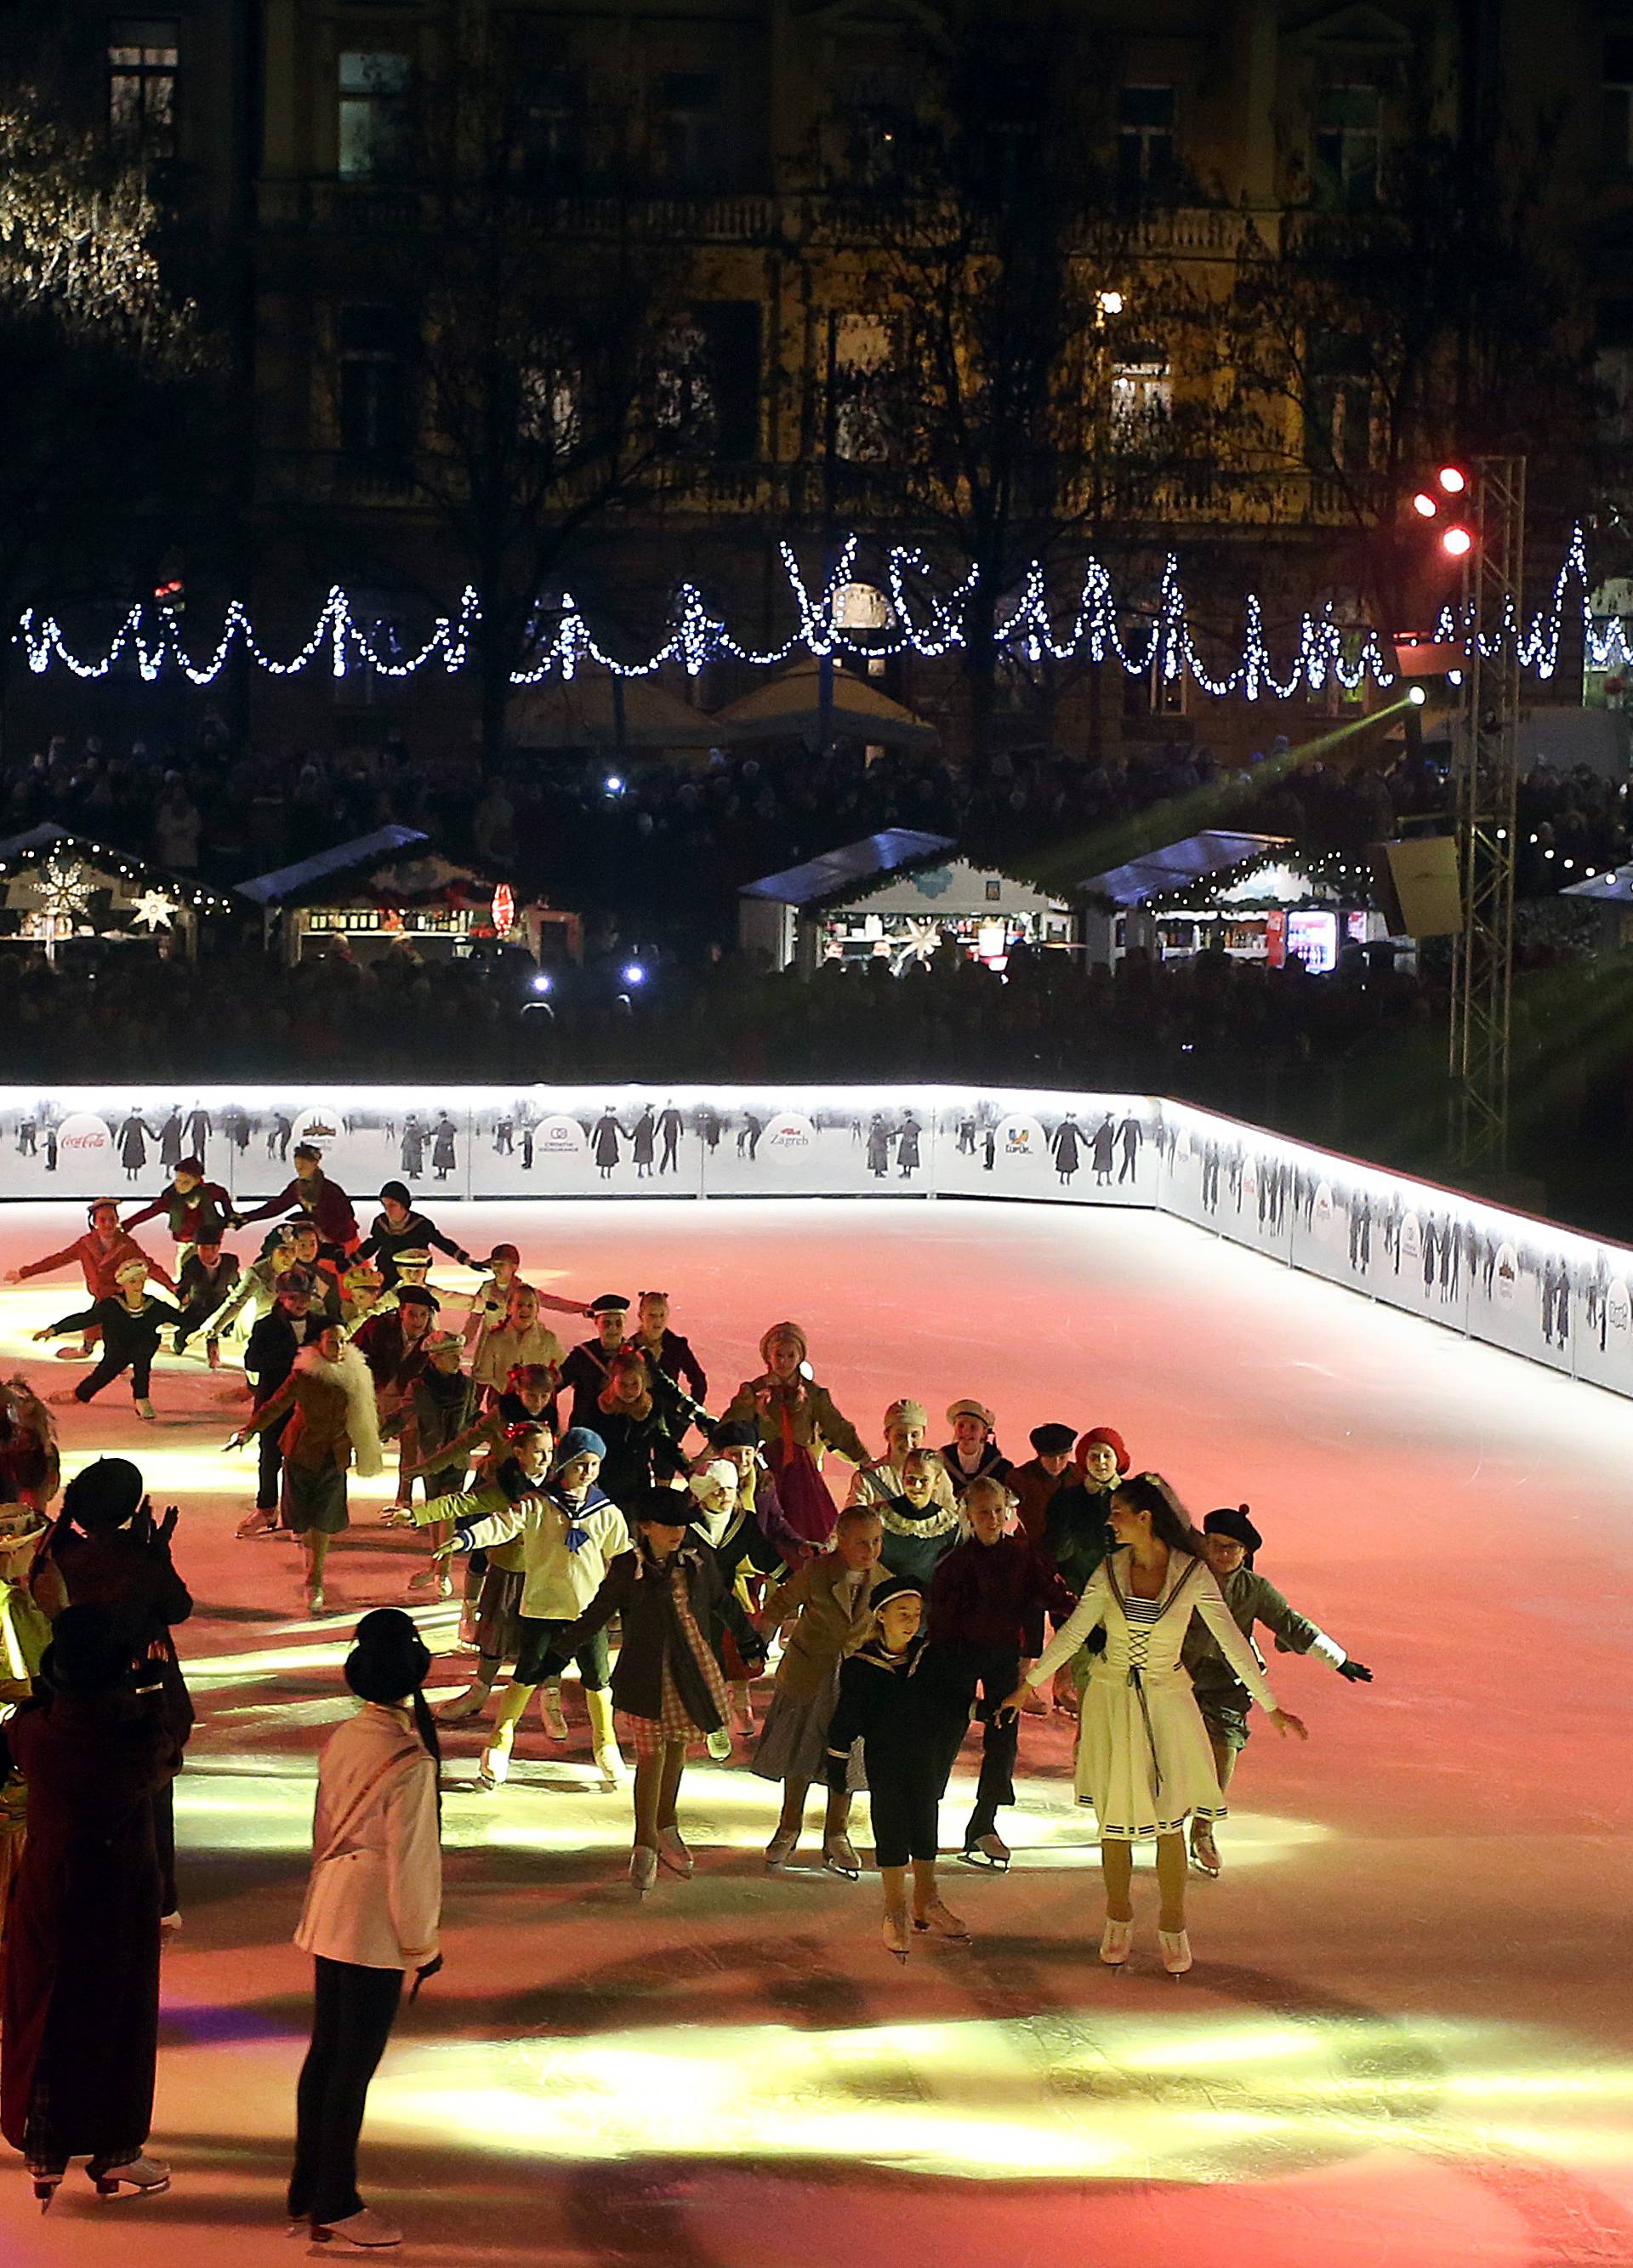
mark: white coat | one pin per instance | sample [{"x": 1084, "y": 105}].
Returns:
[
  {"x": 1143, "y": 1758},
  {"x": 375, "y": 1895}
]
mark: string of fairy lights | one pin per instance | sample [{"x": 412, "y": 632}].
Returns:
[{"x": 1155, "y": 638}]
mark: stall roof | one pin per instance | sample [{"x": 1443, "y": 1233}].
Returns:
[
  {"x": 1614, "y": 889},
  {"x": 790, "y": 705},
  {"x": 47, "y": 836},
  {"x": 857, "y": 865},
  {"x": 285, "y": 882},
  {"x": 580, "y": 712},
  {"x": 1214, "y": 851}
]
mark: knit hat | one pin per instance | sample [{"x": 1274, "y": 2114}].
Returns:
[
  {"x": 734, "y": 1433},
  {"x": 971, "y": 1409},
  {"x": 720, "y": 1474},
  {"x": 194, "y": 1165},
  {"x": 906, "y": 1412},
  {"x": 443, "y": 1343},
  {"x": 782, "y": 1331},
  {"x": 398, "y": 1192},
  {"x": 1110, "y": 1439},
  {"x": 504, "y": 1252},
  {"x": 665, "y": 1507},
  {"x": 896, "y": 1586},
  {"x": 578, "y": 1441},
  {"x": 104, "y": 1496},
  {"x": 128, "y": 1270},
  {"x": 1053, "y": 1440},
  {"x": 309, "y": 1149},
  {"x": 1233, "y": 1521},
  {"x": 389, "y": 1658},
  {"x": 416, "y": 1295},
  {"x": 90, "y": 1650}
]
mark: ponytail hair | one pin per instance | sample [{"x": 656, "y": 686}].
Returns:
[{"x": 1171, "y": 1523}]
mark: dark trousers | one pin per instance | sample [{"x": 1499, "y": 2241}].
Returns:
[
  {"x": 163, "y": 1802},
  {"x": 268, "y": 1491},
  {"x": 108, "y": 1369},
  {"x": 904, "y": 1785},
  {"x": 992, "y": 1672},
  {"x": 353, "y": 2011}
]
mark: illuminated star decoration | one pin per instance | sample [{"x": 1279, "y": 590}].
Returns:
[
  {"x": 154, "y": 910},
  {"x": 63, "y": 888}
]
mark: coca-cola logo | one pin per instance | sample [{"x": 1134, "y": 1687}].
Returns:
[{"x": 97, "y": 1141}]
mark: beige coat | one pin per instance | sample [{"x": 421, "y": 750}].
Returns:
[
  {"x": 825, "y": 1633},
  {"x": 375, "y": 1895}
]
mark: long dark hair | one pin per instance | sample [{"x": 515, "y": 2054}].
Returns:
[{"x": 1170, "y": 1523}]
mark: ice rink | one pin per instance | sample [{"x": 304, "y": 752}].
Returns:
[{"x": 1406, "y": 2040}]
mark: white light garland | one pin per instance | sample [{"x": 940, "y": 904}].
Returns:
[{"x": 928, "y": 625}]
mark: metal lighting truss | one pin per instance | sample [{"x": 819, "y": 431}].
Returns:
[{"x": 1485, "y": 779}]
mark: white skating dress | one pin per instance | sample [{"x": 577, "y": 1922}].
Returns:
[{"x": 1142, "y": 1755}]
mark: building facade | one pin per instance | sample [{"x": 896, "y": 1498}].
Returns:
[{"x": 344, "y": 172}]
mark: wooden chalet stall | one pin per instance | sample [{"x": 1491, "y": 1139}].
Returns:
[{"x": 393, "y": 888}]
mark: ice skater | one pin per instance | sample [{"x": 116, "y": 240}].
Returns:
[
  {"x": 1143, "y": 1756},
  {"x": 1231, "y": 1541},
  {"x": 831, "y": 1596},
  {"x": 987, "y": 1601},
  {"x": 325, "y": 1408},
  {"x": 129, "y": 1325},
  {"x": 668, "y": 1685},
  {"x": 371, "y": 1915},
  {"x": 903, "y": 1718}
]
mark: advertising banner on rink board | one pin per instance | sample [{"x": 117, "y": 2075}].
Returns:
[{"x": 1511, "y": 1281}]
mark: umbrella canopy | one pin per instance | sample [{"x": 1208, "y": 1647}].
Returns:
[
  {"x": 789, "y": 706},
  {"x": 581, "y": 713}
]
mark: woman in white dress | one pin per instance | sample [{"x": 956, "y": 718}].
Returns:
[{"x": 1143, "y": 1758}]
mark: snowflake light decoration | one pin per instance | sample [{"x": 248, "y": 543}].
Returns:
[
  {"x": 63, "y": 888},
  {"x": 154, "y": 910}
]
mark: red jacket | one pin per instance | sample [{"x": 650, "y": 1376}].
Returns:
[
  {"x": 323, "y": 1203},
  {"x": 99, "y": 1263},
  {"x": 993, "y": 1594}
]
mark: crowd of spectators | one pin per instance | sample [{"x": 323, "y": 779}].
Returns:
[
  {"x": 672, "y": 843},
  {"x": 1214, "y": 1028}
]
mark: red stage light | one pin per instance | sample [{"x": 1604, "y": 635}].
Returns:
[
  {"x": 1452, "y": 481},
  {"x": 1456, "y": 542},
  {"x": 1424, "y": 504}
]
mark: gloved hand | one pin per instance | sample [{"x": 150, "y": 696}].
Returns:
[{"x": 1357, "y": 1671}]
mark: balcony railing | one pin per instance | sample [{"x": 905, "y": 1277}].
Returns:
[
  {"x": 869, "y": 496},
  {"x": 368, "y": 209}
]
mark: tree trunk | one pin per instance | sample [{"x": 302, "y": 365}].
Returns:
[{"x": 981, "y": 666}]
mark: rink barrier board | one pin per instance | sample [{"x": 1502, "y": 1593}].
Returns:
[{"x": 1509, "y": 1280}]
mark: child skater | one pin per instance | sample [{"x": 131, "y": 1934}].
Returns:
[
  {"x": 1142, "y": 1755},
  {"x": 1231, "y": 1541},
  {"x": 833, "y": 1596},
  {"x": 129, "y": 1324},
  {"x": 899, "y": 1714},
  {"x": 518, "y": 1467},
  {"x": 986, "y": 1599},
  {"x": 572, "y": 1535},
  {"x": 668, "y": 1684}
]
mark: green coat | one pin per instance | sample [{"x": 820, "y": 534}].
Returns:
[{"x": 1252, "y": 1600}]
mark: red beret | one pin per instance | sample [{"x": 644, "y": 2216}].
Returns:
[{"x": 1113, "y": 1441}]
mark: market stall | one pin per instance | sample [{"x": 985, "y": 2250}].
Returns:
[
  {"x": 895, "y": 897},
  {"x": 60, "y": 890},
  {"x": 1254, "y": 897},
  {"x": 391, "y": 888}
]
